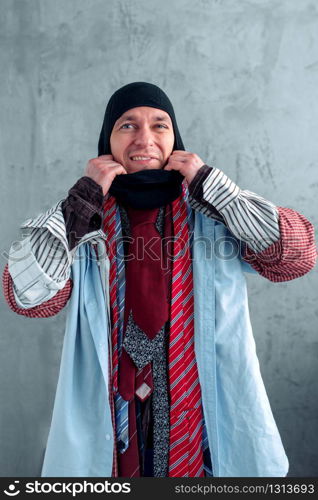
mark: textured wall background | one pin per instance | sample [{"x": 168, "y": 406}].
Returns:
[{"x": 243, "y": 77}]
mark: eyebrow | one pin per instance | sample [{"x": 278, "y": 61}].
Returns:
[{"x": 129, "y": 118}]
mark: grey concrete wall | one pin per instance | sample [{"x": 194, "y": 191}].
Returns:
[{"x": 243, "y": 77}]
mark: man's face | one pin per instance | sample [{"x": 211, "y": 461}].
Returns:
[{"x": 142, "y": 132}]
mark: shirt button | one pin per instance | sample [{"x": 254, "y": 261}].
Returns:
[{"x": 107, "y": 437}]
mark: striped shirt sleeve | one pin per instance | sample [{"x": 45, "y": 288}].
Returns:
[
  {"x": 279, "y": 243},
  {"x": 49, "y": 243},
  {"x": 40, "y": 263},
  {"x": 249, "y": 217}
]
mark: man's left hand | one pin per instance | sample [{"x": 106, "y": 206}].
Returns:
[{"x": 185, "y": 162}]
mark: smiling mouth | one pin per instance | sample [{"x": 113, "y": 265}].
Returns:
[{"x": 142, "y": 158}]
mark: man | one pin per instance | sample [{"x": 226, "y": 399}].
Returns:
[{"x": 159, "y": 374}]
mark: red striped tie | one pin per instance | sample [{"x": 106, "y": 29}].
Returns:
[
  {"x": 186, "y": 454},
  {"x": 109, "y": 227}
]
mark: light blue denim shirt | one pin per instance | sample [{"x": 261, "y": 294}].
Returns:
[{"x": 243, "y": 437}]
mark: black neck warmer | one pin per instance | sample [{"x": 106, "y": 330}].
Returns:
[{"x": 146, "y": 188}]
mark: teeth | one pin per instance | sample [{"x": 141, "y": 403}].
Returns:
[{"x": 141, "y": 158}]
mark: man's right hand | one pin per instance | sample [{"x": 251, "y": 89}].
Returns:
[{"x": 103, "y": 170}]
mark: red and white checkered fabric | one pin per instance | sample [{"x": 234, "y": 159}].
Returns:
[
  {"x": 290, "y": 257},
  {"x": 49, "y": 308}
]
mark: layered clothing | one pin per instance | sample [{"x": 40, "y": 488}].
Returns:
[{"x": 239, "y": 426}]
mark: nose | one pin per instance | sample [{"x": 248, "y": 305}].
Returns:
[{"x": 143, "y": 137}]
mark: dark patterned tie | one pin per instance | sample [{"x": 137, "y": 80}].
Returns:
[{"x": 146, "y": 314}]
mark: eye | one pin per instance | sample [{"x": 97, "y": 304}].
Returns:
[
  {"x": 161, "y": 125},
  {"x": 126, "y": 125}
]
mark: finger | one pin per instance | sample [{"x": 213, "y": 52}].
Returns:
[
  {"x": 120, "y": 168},
  {"x": 105, "y": 157},
  {"x": 181, "y": 154},
  {"x": 113, "y": 164},
  {"x": 178, "y": 152},
  {"x": 173, "y": 167},
  {"x": 174, "y": 159}
]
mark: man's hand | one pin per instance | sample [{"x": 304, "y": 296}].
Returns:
[
  {"x": 185, "y": 162},
  {"x": 103, "y": 170}
]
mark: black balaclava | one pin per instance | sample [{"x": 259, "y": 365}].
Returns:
[{"x": 147, "y": 188}]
